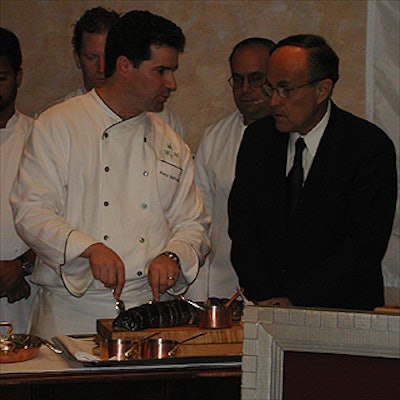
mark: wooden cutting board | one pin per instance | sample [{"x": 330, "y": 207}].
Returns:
[
  {"x": 225, "y": 335},
  {"x": 388, "y": 309}
]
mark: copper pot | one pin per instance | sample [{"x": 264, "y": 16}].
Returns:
[
  {"x": 17, "y": 347},
  {"x": 16, "y": 352},
  {"x": 161, "y": 348},
  {"x": 20, "y": 347},
  {"x": 121, "y": 349},
  {"x": 115, "y": 348},
  {"x": 215, "y": 317},
  {"x": 156, "y": 348}
]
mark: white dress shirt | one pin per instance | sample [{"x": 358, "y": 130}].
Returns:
[{"x": 311, "y": 140}]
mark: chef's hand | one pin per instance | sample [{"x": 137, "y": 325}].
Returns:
[
  {"x": 22, "y": 291},
  {"x": 11, "y": 276},
  {"x": 107, "y": 267},
  {"x": 276, "y": 301},
  {"x": 163, "y": 274}
]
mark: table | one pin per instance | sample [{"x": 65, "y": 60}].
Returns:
[{"x": 49, "y": 376}]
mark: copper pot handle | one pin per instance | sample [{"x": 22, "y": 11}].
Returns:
[
  {"x": 6, "y": 336},
  {"x": 173, "y": 351},
  {"x": 132, "y": 349},
  {"x": 233, "y": 298}
]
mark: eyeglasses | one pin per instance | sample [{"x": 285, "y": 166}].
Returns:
[
  {"x": 255, "y": 80},
  {"x": 282, "y": 91}
]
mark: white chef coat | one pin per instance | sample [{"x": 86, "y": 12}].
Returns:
[
  {"x": 12, "y": 141},
  {"x": 215, "y": 163},
  {"x": 166, "y": 114},
  {"x": 86, "y": 177}
]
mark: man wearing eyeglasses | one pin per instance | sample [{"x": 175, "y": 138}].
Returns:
[
  {"x": 216, "y": 159},
  {"x": 312, "y": 205}
]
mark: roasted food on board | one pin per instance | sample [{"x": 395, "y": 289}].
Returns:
[
  {"x": 167, "y": 314},
  {"x": 156, "y": 315}
]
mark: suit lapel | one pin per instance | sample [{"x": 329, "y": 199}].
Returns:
[
  {"x": 267, "y": 180},
  {"x": 276, "y": 170}
]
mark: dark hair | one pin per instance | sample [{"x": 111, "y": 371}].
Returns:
[
  {"x": 10, "y": 48},
  {"x": 133, "y": 35},
  {"x": 323, "y": 62},
  {"x": 267, "y": 43},
  {"x": 95, "y": 20}
]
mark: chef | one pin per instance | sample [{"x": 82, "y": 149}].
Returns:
[
  {"x": 16, "y": 259},
  {"x": 105, "y": 192}
]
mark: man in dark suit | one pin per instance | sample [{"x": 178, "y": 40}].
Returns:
[{"x": 320, "y": 242}]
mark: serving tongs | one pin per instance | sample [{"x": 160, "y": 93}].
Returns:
[
  {"x": 26, "y": 339},
  {"x": 119, "y": 304},
  {"x": 191, "y": 302}
]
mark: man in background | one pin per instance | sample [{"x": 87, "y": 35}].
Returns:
[
  {"x": 216, "y": 160},
  {"x": 105, "y": 192},
  {"x": 16, "y": 259},
  {"x": 312, "y": 205},
  {"x": 88, "y": 42}
]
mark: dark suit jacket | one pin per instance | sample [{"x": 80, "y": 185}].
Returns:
[{"x": 330, "y": 253}]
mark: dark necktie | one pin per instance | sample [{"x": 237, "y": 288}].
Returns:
[{"x": 295, "y": 177}]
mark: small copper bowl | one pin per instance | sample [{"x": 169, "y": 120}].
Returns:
[{"x": 215, "y": 317}]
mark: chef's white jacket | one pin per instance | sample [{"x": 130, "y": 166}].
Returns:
[
  {"x": 86, "y": 177},
  {"x": 215, "y": 163},
  {"x": 12, "y": 141},
  {"x": 166, "y": 114}
]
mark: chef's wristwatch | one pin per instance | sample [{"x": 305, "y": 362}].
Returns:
[
  {"x": 173, "y": 257},
  {"x": 27, "y": 266}
]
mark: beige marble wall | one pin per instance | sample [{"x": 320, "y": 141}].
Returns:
[{"x": 212, "y": 28}]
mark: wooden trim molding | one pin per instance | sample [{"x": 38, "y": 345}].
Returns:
[{"x": 270, "y": 331}]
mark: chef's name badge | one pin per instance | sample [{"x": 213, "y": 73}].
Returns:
[{"x": 170, "y": 171}]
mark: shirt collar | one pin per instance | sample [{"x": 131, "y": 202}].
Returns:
[
  {"x": 313, "y": 137},
  {"x": 10, "y": 123}
]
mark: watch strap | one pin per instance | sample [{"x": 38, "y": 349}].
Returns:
[
  {"x": 27, "y": 266},
  {"x": 173, "y": 257}
]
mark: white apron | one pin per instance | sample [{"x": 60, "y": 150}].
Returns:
[{"x": 56, "y": 312}]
